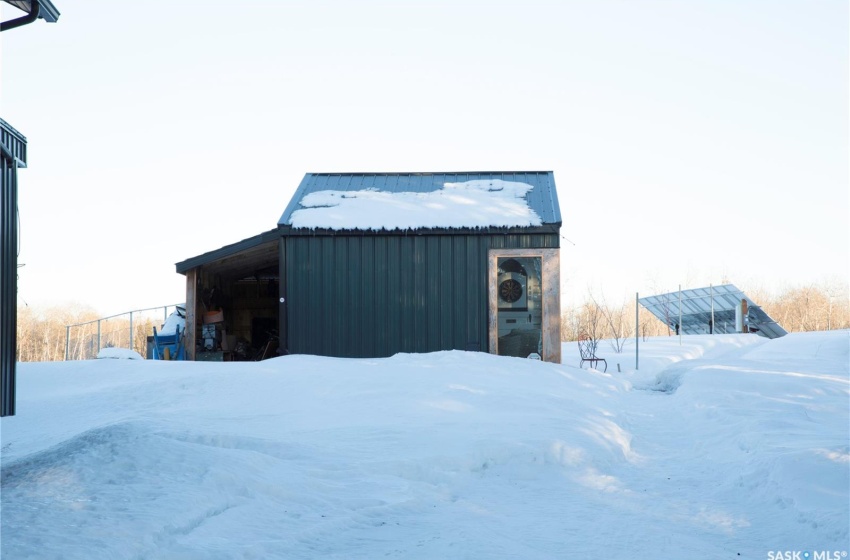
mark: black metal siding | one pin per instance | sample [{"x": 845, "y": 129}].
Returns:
[
  {"x": 374, "y": 296},
  {"x": 13, "y": 146}
]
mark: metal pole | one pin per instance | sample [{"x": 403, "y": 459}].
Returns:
[
  {"x": 67, "y": 340},
  {"x": 637, "y": 328},
  {"x": 711, "y": 295},
  {"x": 680, "y": 315},
  {"x": 131, "y": 331},
  {"x": 739, "y": 321},
  {"x": 98, "y": 335}
]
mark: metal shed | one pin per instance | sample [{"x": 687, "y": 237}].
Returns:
[{"x": 371, "y": 264}]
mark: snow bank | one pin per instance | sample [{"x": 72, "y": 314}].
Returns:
[
  {"x": 446, "y": 455},
  {"x": 119, "y": 353}
]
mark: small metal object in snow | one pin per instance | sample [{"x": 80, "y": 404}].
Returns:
[{"x": 534, "y": 356}]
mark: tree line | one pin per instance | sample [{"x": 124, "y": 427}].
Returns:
[{"x": 42, "y": 333}]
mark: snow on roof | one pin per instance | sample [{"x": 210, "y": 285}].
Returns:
[{"x": 478, "y": 203}]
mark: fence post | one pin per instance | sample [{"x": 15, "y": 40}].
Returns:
[
  {"x": 637, "y": 328},
  {"x": 85, "y": 344}
]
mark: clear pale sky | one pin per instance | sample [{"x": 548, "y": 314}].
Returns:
[{"x": 692, "y": 142}]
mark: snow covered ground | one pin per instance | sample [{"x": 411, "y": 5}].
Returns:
[{"x": 727, "y": 446}]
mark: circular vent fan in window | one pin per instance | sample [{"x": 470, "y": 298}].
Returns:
[{"x": 510, "y": 290}]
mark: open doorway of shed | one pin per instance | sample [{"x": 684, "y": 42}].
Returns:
[
  {"x": 524, "y": 302},
  {"x": 236, "y": 317},
  {"x": 236, "y": 308}
]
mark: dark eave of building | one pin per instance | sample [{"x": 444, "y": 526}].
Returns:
[
  {"x": 253, "y": 254},
  {"x": 33, "y": 10},
  {"x": 286, "y": 230}
]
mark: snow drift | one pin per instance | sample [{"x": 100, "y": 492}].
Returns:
[{"x": 727, "y": 446}]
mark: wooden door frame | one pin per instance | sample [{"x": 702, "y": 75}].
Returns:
[{"x": 551, "y": 282}]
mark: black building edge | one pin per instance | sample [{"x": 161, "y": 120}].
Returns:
[
  {"x": 13, "y": 145},
  {"x": 14, "y": 155}
]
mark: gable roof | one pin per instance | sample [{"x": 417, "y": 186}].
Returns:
[{"x": 327, "y": 202}]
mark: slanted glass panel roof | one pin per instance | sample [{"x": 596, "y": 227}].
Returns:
[{"x": 696, "y": 311}]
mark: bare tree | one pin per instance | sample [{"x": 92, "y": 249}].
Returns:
[
  {"x": 650, "y": 325},
  {"x": 591, "y": 319},
  {"x": 570, "y": 324},
  {"x": 619, "y": 321}
]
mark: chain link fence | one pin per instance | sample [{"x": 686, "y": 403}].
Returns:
[{"x": 128, "y": 330}]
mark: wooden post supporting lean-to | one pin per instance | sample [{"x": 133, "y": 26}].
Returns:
[{"x": 191, "y": 313}]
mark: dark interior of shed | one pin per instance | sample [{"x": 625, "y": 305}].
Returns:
[{"x": 237, "y": 306}]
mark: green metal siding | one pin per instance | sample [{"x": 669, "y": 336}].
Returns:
[{"x": 376, "y": 295}]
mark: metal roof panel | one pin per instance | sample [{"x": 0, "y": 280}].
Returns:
[{"x": 542, "y": 198}]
